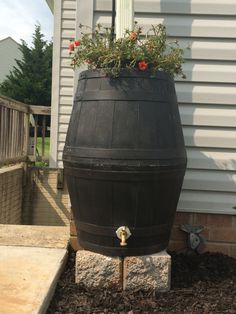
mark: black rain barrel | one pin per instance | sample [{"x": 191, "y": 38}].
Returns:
[{"x": 124, "y": 161}]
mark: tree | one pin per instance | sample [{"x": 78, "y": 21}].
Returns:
[{"x": 30, "y": 80}]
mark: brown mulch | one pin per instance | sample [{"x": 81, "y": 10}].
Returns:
[{"x": 200, "y": 284}]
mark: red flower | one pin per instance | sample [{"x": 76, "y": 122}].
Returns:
[
  {"x": 71, "y": 47},
  {"x": 142, "y": 65},
  {"x": 133, "y": 35},
  {"x": 77, "y": 43}
]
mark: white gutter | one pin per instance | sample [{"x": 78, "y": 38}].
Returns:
[{"x": 124, "y": 16}]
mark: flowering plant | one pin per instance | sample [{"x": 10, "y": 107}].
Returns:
[{"x": 150, "y": 51}]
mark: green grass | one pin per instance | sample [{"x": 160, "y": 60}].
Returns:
[{"x": 46, "y": 147}]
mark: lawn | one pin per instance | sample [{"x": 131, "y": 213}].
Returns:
[{"x": 46, "y": 147}]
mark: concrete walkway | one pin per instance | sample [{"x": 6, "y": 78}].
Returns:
[{"x": 31, "y": 261}]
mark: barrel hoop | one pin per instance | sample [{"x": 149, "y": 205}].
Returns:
[
  {"x": 163, "y": 97},
  {"x": 123, "y": 251},
  {"x": 111, "y": 231},
  {"x": 137, "y": 154},
  {"x": 126, "y": 73},
  {"x": 121, "y": 175}
]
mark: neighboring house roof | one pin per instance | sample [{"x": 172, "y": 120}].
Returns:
[
  {"x": 51, "y": 5},
  {"x": 8, "y": 39},
  {"x": 9, "y": 51}
]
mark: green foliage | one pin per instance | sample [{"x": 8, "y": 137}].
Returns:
[
  {"x": 151, "y": 51},
  {"x": 41, "y": 164},
  {"x": 30, "y": 79},
  {"x": 46, "y": 147}
]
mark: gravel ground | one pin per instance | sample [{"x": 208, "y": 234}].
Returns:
[{"x": 200, "y": 284}]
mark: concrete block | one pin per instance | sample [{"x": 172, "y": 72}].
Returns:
[
  {"x": 147, "y": 272},
  {"x": 98, "y": 271}
]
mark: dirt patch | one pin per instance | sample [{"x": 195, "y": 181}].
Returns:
[{"x": 200, "y": 284}]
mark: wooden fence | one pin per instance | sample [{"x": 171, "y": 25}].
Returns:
[{"x": 14, "y": 129}]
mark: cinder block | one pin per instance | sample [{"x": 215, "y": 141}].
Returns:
[
  {"x": 147, "y": 272},
  {"x": 74, "y": 243},
  {"x": 98, "y": 271}
]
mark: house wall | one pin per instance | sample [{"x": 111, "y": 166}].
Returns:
[
  {"x": 9, "y": 51},
  {"x": 206, "y": 98},
  {"x": 62, "y": 77},
  {"x": 219, "y": 233},
  {"x": 11, "y": 194}
]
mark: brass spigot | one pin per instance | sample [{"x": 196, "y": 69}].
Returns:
[{"x": 123, "y": 233}]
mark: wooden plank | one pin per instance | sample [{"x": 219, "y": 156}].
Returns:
[
  {"x": 41, "y": 110},
  {"x": 14, "y": 130},
  {"x": 5, "y": 132},
  {"x": 35, "y": 137},
  {"x": 1, "y": 131},
  {"x": 26, "y": 134},
  {"x": 11, "y": 133},
  {"x": 17, "y": 135},
  {"x": 13, "y": 104},
  {"x": 43, "y": 135},
  {"x": 13, "y": 160}
]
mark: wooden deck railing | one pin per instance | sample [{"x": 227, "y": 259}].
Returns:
[{"x": 14, "y": 129}]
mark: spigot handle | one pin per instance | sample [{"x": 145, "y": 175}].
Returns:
[{"x": 123, "y": 233}]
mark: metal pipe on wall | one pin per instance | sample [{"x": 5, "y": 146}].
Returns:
[{"x": 124, "y": 16}]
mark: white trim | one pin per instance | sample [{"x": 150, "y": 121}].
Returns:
[
  {"x": 124, "y": 17},
  {"x": 55, "y": 83}
]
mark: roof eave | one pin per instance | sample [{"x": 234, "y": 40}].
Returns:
[{"x": 51, "y": 5}]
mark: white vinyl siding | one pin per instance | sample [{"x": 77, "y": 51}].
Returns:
[
  {"x": 63, "y": 76},
  {"x": 9, "y": 51},
  {"x": 207, "y": 98}
]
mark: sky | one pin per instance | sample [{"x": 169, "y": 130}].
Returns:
[{"x": 19, "y": 17}]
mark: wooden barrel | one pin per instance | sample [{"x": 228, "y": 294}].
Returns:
[{"x": 124, "y": 161}]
